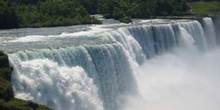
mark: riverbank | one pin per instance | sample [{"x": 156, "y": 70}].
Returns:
[
  {"x": 205, "y": 8},
  {"x": 7, "y": 99}
]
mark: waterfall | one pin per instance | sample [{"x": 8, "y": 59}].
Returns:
[
  {"x": 100, "y": 75},
  {"x": 157, "y": 39},
  {"x": 209, "y": 32},
  {"x": 185, "y": 78},
  {"x": 78, "y": 78},
  {"x": 195, "y": 29},
  {"x": 144, "y": 35}
]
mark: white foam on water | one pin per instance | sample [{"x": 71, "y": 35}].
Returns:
[
  {"x": 182, "y": 79},
  {"x": 60, "y": 87},
  {"x": 95, "y": 29}
]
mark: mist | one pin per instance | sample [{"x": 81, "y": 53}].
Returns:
[{"x": 179, "y": 80}]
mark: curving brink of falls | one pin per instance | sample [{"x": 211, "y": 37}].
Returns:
[
  {"x": 78, "y": 78},
  {"x": 103, "y": 72},
  {"x": 160, "y": 38}
]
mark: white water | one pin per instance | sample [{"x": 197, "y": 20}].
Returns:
[
  {"x": 210, "y": 32},
  {"x": 75, "y": 78},
  {"x": 180, "y": 74},
  {"x": 178, "y": 81},
  {"x": 57, "y": 86},
  {"x": 184, "y": 79}
]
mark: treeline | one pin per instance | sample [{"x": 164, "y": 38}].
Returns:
[
  {"x": 38, "y": 13},
  {"x": 141, "y": 8},
  {"x": 8, "y": 18},
  {"x": 41, "y": 13},
  {"x": 202, "y": 0},
  {"x": 125, "y": 9}
]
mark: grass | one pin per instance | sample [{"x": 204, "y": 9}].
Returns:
[
  {"x": 7, "y": 100},
  {"x": 18, "y": 104},
  {"x": 205, "y": 8}
]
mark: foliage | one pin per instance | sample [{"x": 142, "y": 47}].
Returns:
[
  {"x": 90, "y": 5},
  {"x": 8, "y": 17},
  {"x": 202, "y": 0},
  {"x": 142, "y": 8},
  {"x": 38, "y": 13},
  {"x": 53, "y": 13},
  {"x": 4, "y": 67},
  {"x": 6, "y": 92},
  {"x": 125, "y": 20},
  {"x": 17, "y": 104},
  {"x": 205, "y": 8},
  {"x": 42, "y": 13}
]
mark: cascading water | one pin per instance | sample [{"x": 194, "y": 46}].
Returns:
[
  {"x": 209, "y": 32},
  {"x": 196, "y": 31},
  {"x": 154, "y": 39},
  {"x": 78, "y": 78},
  {"x": 183, "y": 79},
  {"x": 147, "y": 66}
]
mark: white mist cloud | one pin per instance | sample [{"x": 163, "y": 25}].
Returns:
[{"x": 179, "y": 81}]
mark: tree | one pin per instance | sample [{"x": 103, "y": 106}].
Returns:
[{"x": 8, "y": 18}]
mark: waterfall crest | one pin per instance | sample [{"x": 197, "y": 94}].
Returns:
[
  {"x": 99, "y": 75},
  {"x": 210, "y": 32}
]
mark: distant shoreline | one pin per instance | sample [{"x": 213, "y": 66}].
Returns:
[{"x": 27, "y": 14}]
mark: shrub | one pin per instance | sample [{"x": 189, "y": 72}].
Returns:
[{"x": 125, "y": 19}]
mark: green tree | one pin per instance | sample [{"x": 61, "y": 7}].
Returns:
[{"x": 8, "y": 18}]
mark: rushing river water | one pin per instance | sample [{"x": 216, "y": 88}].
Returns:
[{"x": 146, "y": 65}]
